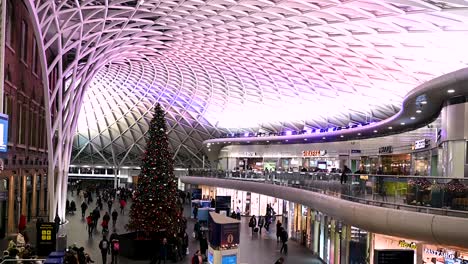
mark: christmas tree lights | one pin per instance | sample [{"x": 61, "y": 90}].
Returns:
[{"x": 155, "y": 206}]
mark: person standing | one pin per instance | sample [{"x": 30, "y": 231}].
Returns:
[
  {"x": 104, "y": 246},
  {"x": 278, "y": 231},
  {"x": 195, "y": 211},
  {"x": 344, "y": 175},
  {"x": 56, "y": 220},
  {"x": 253, "y": 223},
  {"x": 163, "y": 251},
  {"x": 115, "y": 247}
]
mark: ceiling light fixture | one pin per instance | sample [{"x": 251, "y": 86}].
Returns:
[
  {"x": 342, "y": 136},
  {"x": 419, "y": 111},
  {"x": 375, "y": 131},
  {"x": 268, "y": 141},
  {"x": 286, "y": 140},
  {"x": 424, "y": 102},
  {"x": 358, "y": 134},
  {"x": 390, "y": 127},
  {"x": 402, "y": 123},
  {"x": 305, "y": 139},
  {"x": 324, "y": 138},
  {"x": 412, "y": 118},
  {"x": 450, "y": 91}
]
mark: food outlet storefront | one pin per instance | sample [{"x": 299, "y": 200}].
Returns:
[{"x": 416, "y": 158}]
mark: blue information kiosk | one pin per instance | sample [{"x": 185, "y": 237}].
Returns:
[{"x": 223, "y": 239}]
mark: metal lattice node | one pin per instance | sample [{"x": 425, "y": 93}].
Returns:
[{"x": 226, "y": 64}]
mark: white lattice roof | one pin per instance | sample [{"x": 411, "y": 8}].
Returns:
[{"x": 224, "y": 65}]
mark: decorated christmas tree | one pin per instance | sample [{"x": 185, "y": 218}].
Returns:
[{"x": 155, "y": 207}]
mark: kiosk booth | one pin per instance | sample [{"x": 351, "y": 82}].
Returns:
[{"x": 223, "y": 239}]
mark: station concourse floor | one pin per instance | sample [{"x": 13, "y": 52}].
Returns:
[{"x": 257, "y": 249}]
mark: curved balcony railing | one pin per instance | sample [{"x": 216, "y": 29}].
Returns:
[{"x": 427, "y": 194}]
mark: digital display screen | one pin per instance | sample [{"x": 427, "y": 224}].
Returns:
[
  {"x": 229, "y": 259},
  {"x": 210, "y": 257},
  {"x": 3, "y": 132}
]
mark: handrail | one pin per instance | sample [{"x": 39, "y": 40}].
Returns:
[
  {"x": 435, "y": 195},
  {"x": 22, "y": 261}
]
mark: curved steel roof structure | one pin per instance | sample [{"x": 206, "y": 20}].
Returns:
[{"x": 229, "y": 65}]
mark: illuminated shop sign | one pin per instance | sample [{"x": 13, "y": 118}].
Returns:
[
  {"x": 247, "y": 154},
  {"x": 421, "y": 144},
  {"x": 314, "y": 153},
  {"x": 404, "y": 244},
  {"x": 386, "y": 149},
  {"x": 440, "y": 253}
]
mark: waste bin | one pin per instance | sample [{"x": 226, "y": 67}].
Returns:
[{"x": 61, "y": 242}]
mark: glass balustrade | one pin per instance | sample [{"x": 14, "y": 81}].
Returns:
[{"x": 436, "y": 195}]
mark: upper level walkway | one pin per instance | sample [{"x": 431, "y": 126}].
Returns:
[{"x": 430, "y": 209}]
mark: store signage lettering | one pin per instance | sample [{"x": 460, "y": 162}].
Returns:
[
  {"x": 404, "y": 244},
  {"x": 247, "y": 154},
  {"x": 314, "y": 153},
  {"x": 439, "y": 253},
  {"x": 355, "y": 151},
  {"x": 386, "y": 149},
  {"x": 420, "y": 144}
]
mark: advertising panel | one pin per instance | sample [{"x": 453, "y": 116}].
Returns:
[
  {"x": 3, "y": 132},
  {"x": 46, "y": 238}
]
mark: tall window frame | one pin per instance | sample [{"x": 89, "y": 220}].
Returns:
[
  {"x": 9, "y": 24},
  {"x": 24, "y": 41}
]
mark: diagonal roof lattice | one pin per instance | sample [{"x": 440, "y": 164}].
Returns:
[{"x": 236, "y": 65}]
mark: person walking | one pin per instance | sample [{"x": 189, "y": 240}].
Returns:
[
  {"x": 203, "y": 245},
  {"x": 122, "y": 206},
  {"x": 284, "y": 241},
  {"x": 163, "y": 251},
  {"x": 96, "y": 216},
  {"x": 253, "y": 223},
  {"x": 109, "y": 205},
  {"x": 278, "y": 231},
  {"x": 90, "y": 222},
  {"x": 104, "y": 246},
  {"x": 114, "y": 217},
  {"x": 115, "y": 247},
  {"x": 261, "y": 223},
  {"x": 106, "y": 217}
]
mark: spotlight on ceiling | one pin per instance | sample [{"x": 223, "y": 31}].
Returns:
[
  {"x": 419, "y": 111},
  {"x": 402, "y": 123},
  {"x": 375, "y": 131},
  {"x": 412, "y": 118},
  {"x": 390, "y": 127},
  {"x": 341, "y": 136},
  {"x": 358, "y": 134},
  {"x": 450, "y": 91},
  {"x": 324, "y": 138},
  {"x": 424, "y": 102}
]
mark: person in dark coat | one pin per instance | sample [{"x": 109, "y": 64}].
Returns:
[
  {"x": 203, "y": 245},
  {"x": 261, "y": 223},
  {"x": 104, "y": 247},
  {"x": 278, "y": 231},
  {"x": 284, "y": 241},
  {"x": 253, "y": 223},
  {"x": 84, "y": 206},
  {"x": 344, "y": 175}
]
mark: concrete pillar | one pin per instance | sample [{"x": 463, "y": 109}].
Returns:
[
  {"x": 34, "y": 195},
  {"x": 11, "y": 204},
  {"x": 345, "y": 238},
  {"x": 41, "y": 195},
  {"x": 453, "y": 161},
  {"x": 24, "y": 190}
]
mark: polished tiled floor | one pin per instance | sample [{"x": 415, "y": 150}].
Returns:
[{"x": 257, "y": 249}]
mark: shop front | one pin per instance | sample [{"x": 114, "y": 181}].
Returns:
[
  {"x": 386, "y": 243},
  {"x": 248, "y": 203},
  {"x": 432, "y": 254}
]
